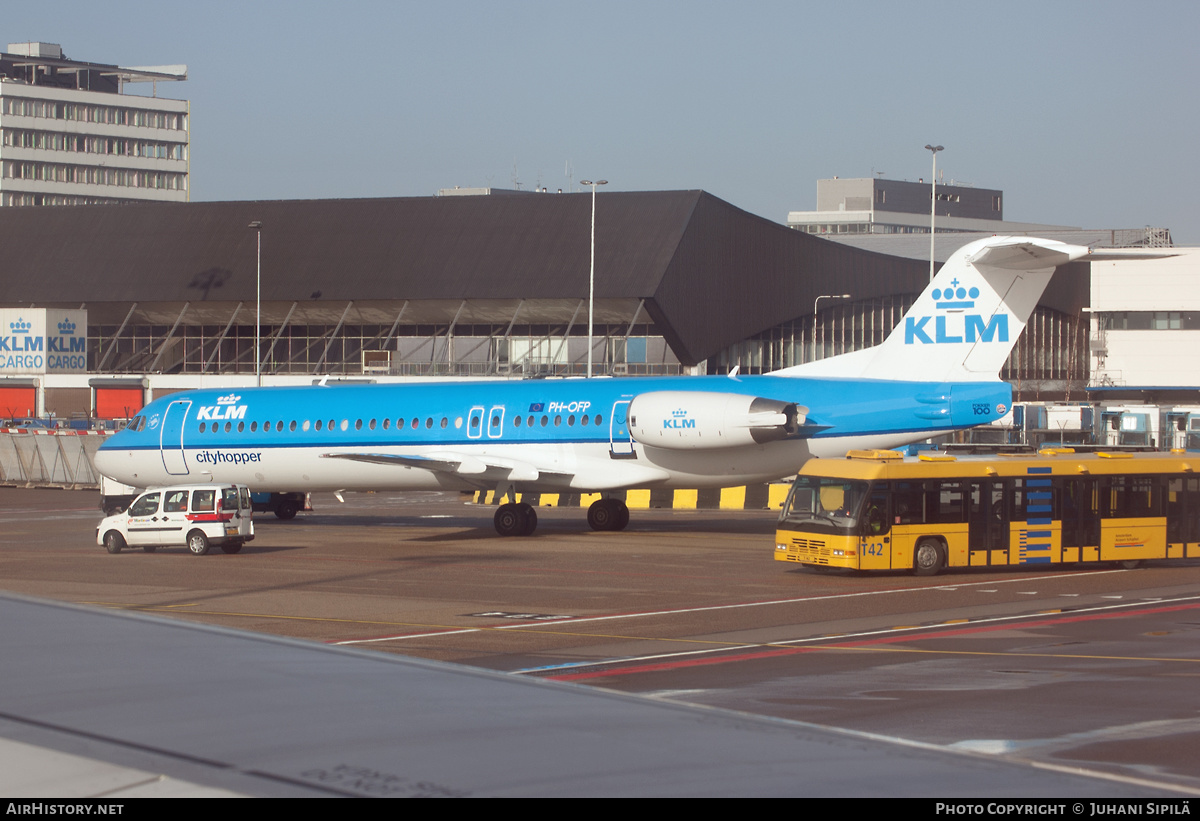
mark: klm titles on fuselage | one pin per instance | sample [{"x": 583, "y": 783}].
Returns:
[{"x": 226, "y": 408}]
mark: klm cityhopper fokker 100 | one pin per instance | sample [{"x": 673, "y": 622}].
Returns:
[{"x": 938, "y": 371}]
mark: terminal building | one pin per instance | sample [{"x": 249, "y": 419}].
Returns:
[
  {"x": 71, "y": 134},
  {"x": 877, "y": 206},
  {"x": 461, "y": 286}
]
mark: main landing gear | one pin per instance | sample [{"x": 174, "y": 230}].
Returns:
[
  {"x": 515, "y": 519},
  {"x": 608, "y": 514},
  {"x": 520, "y": 519}
]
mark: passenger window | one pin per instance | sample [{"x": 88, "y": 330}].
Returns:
[
  {"x": 203, "y": 427},
  {"x": 358, "y": 424},
  {"x": 415, "y": 423},
  {"x": 516, "y": 421},
  {"x": 599, "y": 420},
  {"x": 345, "y": 424},
  {"x": 175, "y": 502},
  {"x": 371, "y": 424},
  {"x": 204, "y": 499},
  {"x": 429, "y": 422},
  {"x": 228, "y": 427},
  {"x": 386, "y": 422},
  {"x": 145, "y": 506},
  {"x": 241, "y": 427},
  {"x": 495, "y": 421},
  {"x": 279, "y": 426},
  {"x": 545, "y": 421},
  {"x": 292, "y": 426},
  {"x": 583, "y": 420},
  {"x": 571, "y": 421},
  {"x": 445, "y": 422},
  {"x": 253, "y": 427},
  {"x": 557, "y": 421}
]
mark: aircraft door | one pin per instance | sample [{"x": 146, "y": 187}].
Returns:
[
  {"x": 495, "y": 422},
  {"x": 620, "y": 440},
  {"x": 475, "y": 423},
  {"x": 170, "y": 440}
]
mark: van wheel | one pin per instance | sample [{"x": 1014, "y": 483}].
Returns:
[
  {"x": 231, "y": 547},
  {"x": 197, "y": 542},
  {"x": 113, "y": 541},
  {"x": 149, "y": 548},
  {"x": 286, "y": 510},
  {"x": 928, "y": 558}
]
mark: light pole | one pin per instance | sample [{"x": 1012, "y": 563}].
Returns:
[
  {"x": 932, "y": 204},
  {"x": 815, "y": 301},
  {"x": 592, "y": 272},
  {"x": 256, "y": 226}
]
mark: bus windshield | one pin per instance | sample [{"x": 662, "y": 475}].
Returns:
[{"x": 824, "y": 504}]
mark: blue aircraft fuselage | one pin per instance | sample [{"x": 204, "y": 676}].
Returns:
[{"x": 553, "y": 434}]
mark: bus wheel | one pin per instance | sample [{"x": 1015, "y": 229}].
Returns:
[
  {"x": 928, "y": 558},
  {"x": 1130, "y": 564}
]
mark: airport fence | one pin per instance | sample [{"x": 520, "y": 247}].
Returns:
[{"x": 30, "y": 457}]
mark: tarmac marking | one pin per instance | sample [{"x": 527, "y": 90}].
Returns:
[
  {"x": 708, "y": 609},
  {"x": 879, "y": 637}
]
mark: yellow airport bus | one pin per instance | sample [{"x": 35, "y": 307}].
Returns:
[{"x": 879, "y": 510}]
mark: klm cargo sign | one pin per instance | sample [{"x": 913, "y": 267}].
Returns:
[{"x": 42, "y": 340}]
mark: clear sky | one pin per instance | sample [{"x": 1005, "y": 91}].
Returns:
[{"x": 1084, "y": 113}]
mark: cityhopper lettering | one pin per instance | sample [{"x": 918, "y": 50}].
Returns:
[{"x": 217, "y": 457}]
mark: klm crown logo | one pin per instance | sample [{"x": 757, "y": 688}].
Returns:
[
  {"x": 230, "y": 399},
  {"x": 948, "y": 327},
  {"x": 678, "y": 421},
  {"x": 66, "y": 327},
  {"x": 20, "y": 326}
]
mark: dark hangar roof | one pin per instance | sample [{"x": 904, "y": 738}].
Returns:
[{"x": 710, "y": 273}]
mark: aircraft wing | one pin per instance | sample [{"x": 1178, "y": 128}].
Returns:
[{"x": 456, "y": 463}]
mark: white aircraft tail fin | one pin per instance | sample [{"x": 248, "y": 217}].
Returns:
[{"x": 967, "y": 320}]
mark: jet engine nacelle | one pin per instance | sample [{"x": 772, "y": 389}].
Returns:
[{"x": 688, "y": 420}]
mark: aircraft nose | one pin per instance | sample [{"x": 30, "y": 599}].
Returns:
[{"x": 108, "y": 462}]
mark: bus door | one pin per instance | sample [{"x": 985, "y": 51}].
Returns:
[
  {"x": 989, "y": 523},
  {"x": 1080, "y": 520},
  {"x": 170, "y": 439},
  {"x": 1183, "y": 516}
]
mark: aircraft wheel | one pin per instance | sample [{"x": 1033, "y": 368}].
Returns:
[
  {"x": 286, "y": 510},
  {"x": 197, "y": 542},
  {"x": 231, "y": 547},
  {"x": 528, "y": 519},
  {"x": 928, "y": 558},
  {"x": 608, "y": 514},
  {"x": 622, "y": 515},
  {"x": 508, "y": 520},
  {"x": 113, "y": 541}
]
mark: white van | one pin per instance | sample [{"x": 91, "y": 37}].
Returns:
[{"x": 193, "y": 515}]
